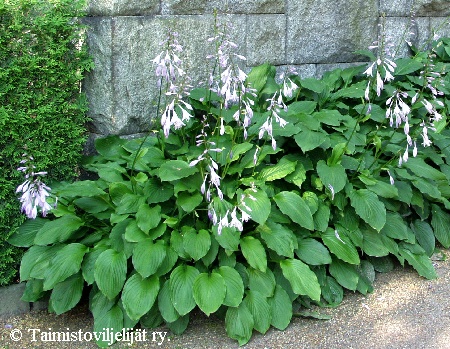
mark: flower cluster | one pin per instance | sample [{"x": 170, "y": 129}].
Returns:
[
  {"x": 276, "y": 104},
  {"x": 169, "y": 72},
  {"x": 34, "y": 191}
]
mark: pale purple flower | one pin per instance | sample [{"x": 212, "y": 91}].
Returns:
[{"x": 34, "y": 196}]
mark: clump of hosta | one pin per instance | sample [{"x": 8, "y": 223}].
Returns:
[{"x": 256, "y": 198}]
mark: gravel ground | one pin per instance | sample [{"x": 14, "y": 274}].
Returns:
[{"x": 404, "y": 311}]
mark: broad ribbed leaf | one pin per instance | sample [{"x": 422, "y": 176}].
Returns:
[
  {"x": 295, "y": 208},
  {"x": 301, "y": 278},
  {"x": 254, "y": 252},
  {"x": 395, "y": 227},
  {"x": 441, "y": 224},
  {"x": 111, "y": 319},
  {"x": 321, "y": 217},
  {"x": 280, "y": 170},
  {"x": 333, "y": 176},
  {"x": 181, "y": 282},
  {"x": 67, "y": 294},
  {"x": 308, "y": 140},
  {"x": 175, "y": 169},
  {"x": 155, "y": 191},
  {"x": 139, "y": 294},
  {"x": 369, "y": 208},
  {"x": 259, "y": 204},
  {"x": 380, "y": 188},
  {"x": 239, "y": 323},
  {"x": 344, "y": 273},
  {"x": 148, "y": 257},
  {"x": 234, "y": 286},
  {"x": 26, "y": 233},
  {"x": 88, "y": 265},
  {"x": 420, "y": 168},
  {"x": 340, "y": 246},
  {"x": 58, "y": 230},
  {"x": 110, "y": 272},
  {"x": 260, "y": 309},
  {"x": 373, "y": 243},
  {"x": 407, "y": 66},
  {"x": 66, "y": 262},
  {"x": 278, "y": 238},
  {"x": 148, "y": 217},
  {"x": 209, "y": 292},
  {"x": 424, "y": 235},
  {"x": 80, "y": 188},
  {"x": 93, "y": 204},
  {"x": 189, "y": 201},
  {"x": 130, "y": 203},
  {"x": 261, "y": 282},
  {"x": 165, "y": 304},
  {"x": 312, "y": 252},
  {"x": 419, "y": 261},
  {"x": 197, "y": 244},
  {"x": 281, "y": 308}
]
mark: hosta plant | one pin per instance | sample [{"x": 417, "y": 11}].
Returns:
[{"x": 255, "y": 197}]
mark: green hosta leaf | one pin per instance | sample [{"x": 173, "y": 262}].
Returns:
[
  {"x": 254, "y": 252},
  {"x": 369, "y": 208},
  {"x": 33, "y": 290},
  {"x": 296, "y": 208},
  {"x": 67, "y": 294},
  {"x": 155, "y": 191},
  {"x": 420, "y": 168},
  {"x": 322, "y": 217},
  {"x": 259, "y": 204},
  {"x": 59, "y": 230},
  {"x": 428, "y": 187},
  {"x": 260, "y": 309},
  {"x": 441, "y": 225},
  {"x": 130, "y": 203},
  {"x": 111, "y": 319},
  {"x": 395, "y": 227},
  {"x": 196, "y": 244},
  {"x": 261, "y": 282},
  {"x": 278, "y": 238},
  {"x": 110, "y": 147},
  {"x": 332, "y": 175},
  {"x": 313, "y": 85},
  {"x": 36, "y": 261},
  {"x": 175, "y": 169},
  {"x": 277, "y": 171},
  {"x": 424, "y": 235},
  {"x": 380, "y": 188},
  {"x": 165, "y": 304},
  {"x": 148, "y": 257},
  {"x": 308, "y": 140},
  {"x": 181, "y": 282},
  {"x": 345, "y": 274},
  {"x": 239, "y": 149},
  {"x": 341, "y": 246},
  {"x": 132, "y": 232},
  {"x": 258, "y": 76},
  {"x": 88, "y": 265},
  {"x": 301, "y": 278},
  {"x": 179, "y": 326},
  {"x": 312, "y": 252},
  {"x": 168, "y": 262},
  {"x": 420, "y": 261},
  {"x": 330, "y": 117},
  {"x": 239, "y": 323},
  {"x": 66, "y": 262},
  {"x": 281, "y": 308},
  {"x": 148, "y": 217},
  {"x": 26, "y": 234},
  {"x": 188, "y": 202},
  {"x": 95, "y": 204},
  {"x": 373, "y": 244},
  {"x": 80, "y": 188},
  {"x": 209, "y": 292},
  {"x": 407, "y": 66},
  {"x": 110, "y": 272},
  {"x": 228, "y": 239},
  {"x": 117, "y": 191},
  {"x": 139, "y": 294},
  {"x": 332, "y": 292},
  {"x": 234, "y": 286}
]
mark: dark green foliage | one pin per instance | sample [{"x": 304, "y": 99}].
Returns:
[{"x": 42, "y": 112}]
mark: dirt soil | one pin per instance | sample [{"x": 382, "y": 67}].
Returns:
[{"x": 404, "y": 311}]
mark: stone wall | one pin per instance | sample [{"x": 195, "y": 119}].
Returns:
[{"x": 314, "y": 36}]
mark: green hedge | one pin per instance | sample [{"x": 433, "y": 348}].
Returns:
[{"x": 42, "y": 112}]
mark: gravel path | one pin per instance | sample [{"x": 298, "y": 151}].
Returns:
[{"x": 404, "y": 311}]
